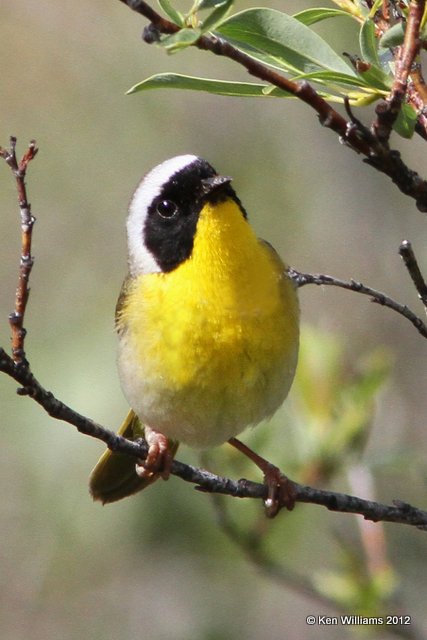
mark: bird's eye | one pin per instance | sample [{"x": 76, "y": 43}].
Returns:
[{"x": 167, "y": 208}]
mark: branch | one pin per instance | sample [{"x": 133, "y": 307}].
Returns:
[
  {"x": 352, "y": 133},
  {"x": 302, "y": 279},
  {"x": 399, "y": 512},
  {"x": 387, "y": 112},
  {"x": 220, "y": 47},
  {"x": 16, "y": 318},
  {"x": 408, "y": 256}
]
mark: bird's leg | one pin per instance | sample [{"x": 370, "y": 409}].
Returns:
[
  {"x": 159, "y": 458},
  {"x": 280, "y": 488}
]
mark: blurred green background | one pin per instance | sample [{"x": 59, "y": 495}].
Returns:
[{"x": 158, "y": 565}]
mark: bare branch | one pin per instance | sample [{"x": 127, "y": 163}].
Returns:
[
  {"x": 16, "y": 318},
  {"x": 399, "y": 512},
  {"x": 408, "y": 256},
  {"x": 302, "y": 279}
]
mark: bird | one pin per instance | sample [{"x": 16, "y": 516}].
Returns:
[{"x": 207, "y": 322}]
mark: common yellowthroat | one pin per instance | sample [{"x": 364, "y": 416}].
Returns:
[{"x": 207, "y": 319}]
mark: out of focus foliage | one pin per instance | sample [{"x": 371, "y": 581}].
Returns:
[{"x": 158, "y": 564}]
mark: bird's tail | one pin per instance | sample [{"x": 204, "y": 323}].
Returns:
[{"x": 114, "y": 476}]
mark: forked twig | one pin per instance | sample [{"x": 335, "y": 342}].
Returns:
[{"x": 302, "y": 279}]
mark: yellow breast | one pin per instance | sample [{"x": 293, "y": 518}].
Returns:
[{"x": 210, "y": 347}]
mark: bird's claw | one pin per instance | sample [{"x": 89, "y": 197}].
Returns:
[{"x": 159, "y": 458}]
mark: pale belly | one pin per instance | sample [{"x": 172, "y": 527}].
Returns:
[{"x": 202, "y": 382}]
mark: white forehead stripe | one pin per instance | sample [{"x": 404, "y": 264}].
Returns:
[{"x": 141, "y": 260}]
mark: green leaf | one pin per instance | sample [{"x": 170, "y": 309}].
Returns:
[
  {"x": 216, "y": 16},
  {"x": 281, "y": 41},
  {"x": 218, "y": 87},
  {"x": 406, "y": 121},
  {"x": 339, "y": 83},
  {"x": 393, "y": 37},
  {"x": 183, "y": 38},
  {"x": 172, "y": 13},
  {"x": 311, "y": 16},
  {"x": 369, "y": 43}
]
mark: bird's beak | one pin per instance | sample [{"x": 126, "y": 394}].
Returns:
[{"x": 214, "y": 183}]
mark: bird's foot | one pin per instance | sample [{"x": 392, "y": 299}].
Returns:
[
  {"x": 280, "y": 489},
  {"x": 159, "y": 458}
]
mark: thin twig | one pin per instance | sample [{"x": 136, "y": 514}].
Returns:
[
  {"x": 408, "y": 256},
  {"x": 16, "y": 318},
  {"x": 302, "y": 279}
]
